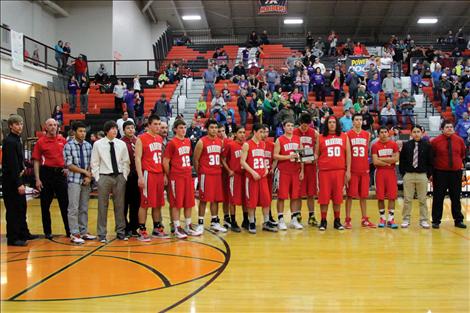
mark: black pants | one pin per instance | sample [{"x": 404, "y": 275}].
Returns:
[
  {"x": 337, "y": 94},
  {"x": 443, "y": 181},
  {"x": 319, "y": 93},
  {"x": 54, "y": 183},
  {"x": 118, "y": 104},
  {"x": 132, "y": 203},
  {"x": 353, "y": 94},
  {"x": 15, "y": 205}
]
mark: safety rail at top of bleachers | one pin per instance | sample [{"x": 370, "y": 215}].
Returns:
[{"x": 35, "y": 52}]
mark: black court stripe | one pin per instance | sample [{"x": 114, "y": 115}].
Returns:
[
  {"x": 207, "y": 283},
  {"x": 164, "y": 254},
  {"x": 42, "y": 257},
  {"x": 57, "y": 272}
]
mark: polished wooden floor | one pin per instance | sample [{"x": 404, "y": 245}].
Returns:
[{"x": 358, "y": 270}]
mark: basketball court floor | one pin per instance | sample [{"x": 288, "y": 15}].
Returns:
[{"x": 358, "y": 270}]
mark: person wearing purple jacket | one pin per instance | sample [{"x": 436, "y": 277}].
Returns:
[
  {"x": 73, "y": 87},
  {"x": 318, "y": 82},
  {"x": 416, "y": 82},
  {"x": 374, "y": 86}
]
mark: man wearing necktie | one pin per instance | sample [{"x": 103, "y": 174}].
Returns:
[
  {"x": 416, "y": 167},
  {"x": 449, "y": 153},
  {"x": 110, "y": 167}
]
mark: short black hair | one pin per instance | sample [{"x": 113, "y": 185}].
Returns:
[
  {"x": 257, "y": 127},
  {"x": 237, "y": 128},
  {"x": 446, "y": 122},
  {"x": 210, "y": 122},
  {"x": 357, "y": 114},
  {"x": 109, "y": 125},
  {"x": 77, "y": 125},
  {"x": 305, "y": 118},
  {"x": 338, "y": 129},
  {"x": 152, "y": 118},
  {"x": 127, "y": 123},
  {"x": 383, "y": 127},
  {"x": 419, "y": 127},
  {"x": 178, "y": 123},
  {"x": 288, "y": 120}
]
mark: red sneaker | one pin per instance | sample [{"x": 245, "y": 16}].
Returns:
[
  {"x": 366, "y": 223},
  {"x": 347, "y": 223}
]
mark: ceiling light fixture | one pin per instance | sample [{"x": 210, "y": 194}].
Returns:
[
  {"x": 191, "y": 17},
  {"x": 293, "y": 21},
  {"x": 427, "y": 20}
]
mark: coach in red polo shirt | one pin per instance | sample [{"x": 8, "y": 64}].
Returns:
[
  {"x": 449, "y": 153},
  {"x": 51, "y": 178}
]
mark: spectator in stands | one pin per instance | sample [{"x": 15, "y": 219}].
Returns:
[
  {"x": 337, "y": 81},
  {"x": 347, "y": 102},
  {"x": 460, "y": 109},
  {"x": 445, "y": 91},
  {"x": 290, "y": 63},
  {"x": 73, "y": 86},
  {"x": 287, "y": 81},
  {"x": 58, "y": 115},
  {"x": 367, "y": 119},
  {"x": 325, "y": 112},
  {"x": 454, "y": 101},
  {"x": 436, "y": 82},
  {"x": 353, "y": 81},
  {"x": 386, "y": 62},
  {"x": 253, "y": 40},
  {"x": 333, "y": 43},
  {"x": 264, "y": 38},
  {"x": 372, "y": 70},
  {"x": 84, "y": 91},
  {"x": 171, "y": 73},
  {"x": 209, "y": 77},
  {"x": 405, "y": 105},
  {"x": 120, "y": 123},
  {"x": 458, "y": 68},
  {"x": 348, "y": 47},
  {"x": 416, "y": 82},
  {"x": 58, "y": 48},
  {"x": 201, "y": 107},
  {"x": 139, "y": 109},
  {"x": 130, "y": 102},
  {"x": 268, "y": 110},
  {"x": 261, "y": 77},
  {"x": 119, "y": 95},
  {"x": 224, "y": 71},
  {"x": 462, "y": 128},
  {"x": 305, "y": 83},
  {"x": 162, "y": 79},
  {"x": 321, "y": 66},
  {"x": 183, "y": 40},
  {"x": 238, "y": 71},
  {"x": 388, "y": 115},
  {"x": 162, "y": 108},
  {"x": 272, "y": 78},
  {"x": 136, "y": 83},
  {"x": 226, "y": 93},
  {"x": 358, "y": 50},
  {"x": 217, "y": 103},
  {"x": 242, "y": 106},
  {"x": 65, "y": 55},
  {"x": 101, "y": 75},
  {"x": 374, "y": 86},
  {"x": 80, "y": 67},
  {"x": 389, "y": 86},
  {"x": 193, "y": 132},
  {"x": 459, "y": 37},
  {"x": 253, "y": 107},
  {"x": 243, "y": 84},
  {"x": 434, "y": 63},
  {"x": 309, "y": 40},
  {"x": 346, "y": 121},
  {"x": 359, "y": 105}
]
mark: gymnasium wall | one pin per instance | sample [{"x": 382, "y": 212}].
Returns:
[{"x": 13, "y": 95}]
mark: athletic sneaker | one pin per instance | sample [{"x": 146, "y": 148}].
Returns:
[
  {"x": 282, "y": 225},
  {"x": 234, "y": 227},
  {"x": 227, "y": 224},
  {"x": 217, "y": 227},
  {"x": 273, "y": 221},
  {"x": 192, "y": 231},
  {"x": 382, "y": 223},
  {"x": 294, "y": 223},
  {"x": 366, "y": 223},
  {"x": 323, "y": 225},
  {"x": 312, "y": 221},
  {"x": 200, "y": 228},
  {"x": 77, "y": 239},
  {"x": 405, "y": 223},
  {"x": 143, "y": 236},
  {"x": 347, "y": 223},
  {"x": 268, "y": 226},
  {"x": 102, "y": 239},
  {"x": 337, "y": 224},
  {"x": 252, "y": 228},
  {"x": 245, "y": 224},
  {"x": 122, "y": 237},
  {"x": 88, "y": 237},
  {"x": 424, "y": 224},
  {"x": 391, "y": 224},
  {"x": 180, "y": 233},
  {"x": 160, "y": 233}
]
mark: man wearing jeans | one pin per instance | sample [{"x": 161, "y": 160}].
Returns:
[
  {"x": 405, "y": 104},
  {"x": 77, "y": 154},
  {"x": 110, "y": 167},
  {"x": 209, "y": 77},
  {"x": 272, "y": 77},
  {"x": 415, "y": 166}
]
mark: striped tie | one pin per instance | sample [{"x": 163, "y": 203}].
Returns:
[{"x": 415, "y": 155}]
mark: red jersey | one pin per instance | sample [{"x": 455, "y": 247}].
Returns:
[
  {"x": 152, "y": 150},
  {"x": 256, "y": 157},
  {"x": 50, "y": 151},
  {"x": 179, "y": 152},
  {"x": 268, "y": 153},
  {"x": 287, "y": 147},
  {"x": 307, "y": 139},
  {"x": 209, "y": 162},
  {"x": 232, "y": 153},
  {"x": 359, "y": 151},
  {"x": 332, "y": 150},
  {"x": 385, "y": 150}
]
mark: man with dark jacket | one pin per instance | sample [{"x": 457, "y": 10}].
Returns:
[{"x": 162, "y": 108}]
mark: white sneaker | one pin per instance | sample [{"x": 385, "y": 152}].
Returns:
[
  {"x": 200, "y": 229},
  {"x": 88, "y": 237},
  {"x": 180, "y": 233},
  {"x": 282, "y": 225},
  {"x": 295, "y": 224},
  {"x": 192, "y": 232},
  {"x": 218, "y": 227},
  {"x": 77, "y": 239},
  {"x": 405, "y": 224},
  {"x": 424, "y": 224}
]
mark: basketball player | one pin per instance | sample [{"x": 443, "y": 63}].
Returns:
[
  {"x": 231, "y": 162},
  {"x": 308, "y": 186},
  {"x": 385, "y": 155},
  {"x": 334, "y": 169},
  {"x": 178, "y": 168},
  {"x": 358, "y": 187},
  {"x": 271, "y": 165},
  {"x": 151, "y": 181},
  {"x": 256, "y": 183},
  {"x": 208, "y": 167},
  {"x": 291, "y": 173}
]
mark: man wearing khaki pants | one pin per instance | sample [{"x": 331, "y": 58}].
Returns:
[{"x": 416, "y": 159}]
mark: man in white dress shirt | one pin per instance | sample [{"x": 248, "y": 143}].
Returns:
[{"x": 110, "y": 167}]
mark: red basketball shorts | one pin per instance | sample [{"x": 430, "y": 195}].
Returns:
[
  {"x": 386, "y": 186},
  {"x": 358, "y": 187},
  {"x": 210, "y": 188},
  {"x": 331, "y": 184},
  {"x": 257, "y": 193},
  {"x": 153, "y": 193},
  {"x": 289, "y": 186},
  {"x": 270, "y": 179},
  {"x": 236, "y": 190},
  {"x": 181, "y": 191},
  {"x": 225, "y": 186},
  {"x": 308, "y": 186}
]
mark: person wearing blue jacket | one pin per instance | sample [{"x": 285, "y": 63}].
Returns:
[
  {"x": 416, "y": 82},
  {"x": 318, "y": 82},
  {"x": 463, "y": 127},
  {"x": 374, "y": 86}
]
